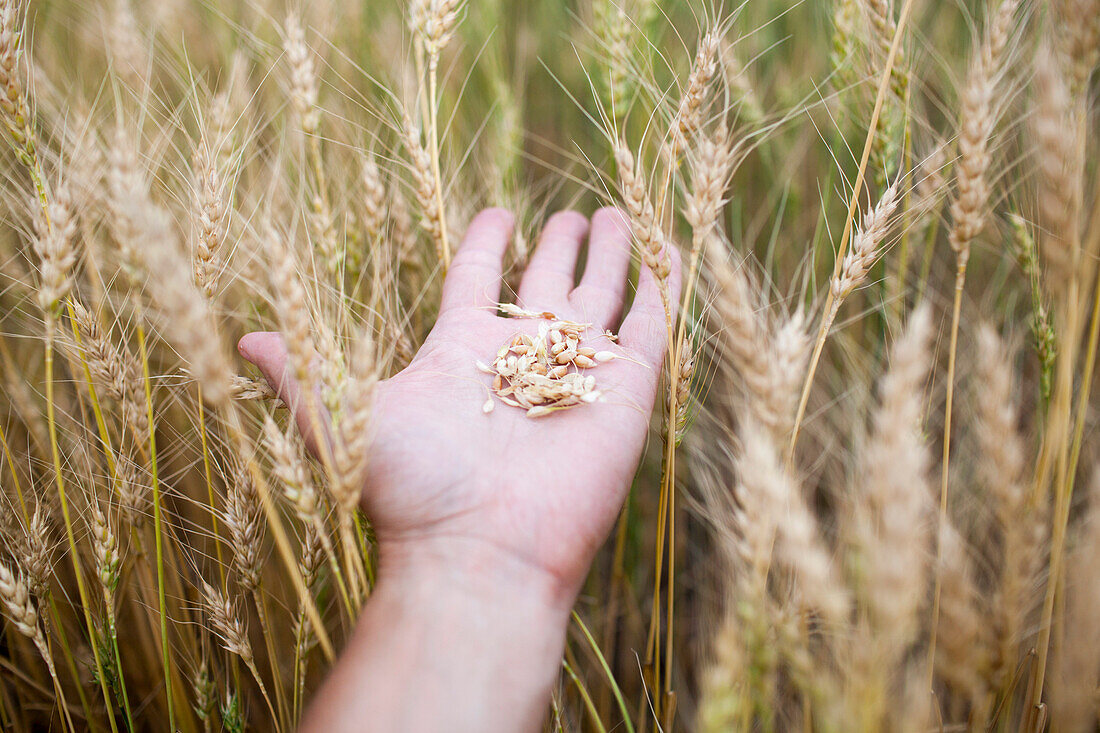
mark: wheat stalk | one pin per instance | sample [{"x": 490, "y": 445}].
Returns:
[
  {"x": 435, "y": 22},
  {"x": 853, "y": 203},
  {"x": 977, "y": 120}
]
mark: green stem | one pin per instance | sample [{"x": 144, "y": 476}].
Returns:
[
  {"x": 157, "y": 529},
  {"x": 74, "y": 553}
]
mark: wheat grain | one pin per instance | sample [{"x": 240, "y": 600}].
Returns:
[
  {"x": 720, "y": 695},
  {"x": 105, "y": 547},
  {"x": 351, "y": 430},
  {"x": 435, "y": 22},
  {"x": 543, "y": 374},
  {"x": 204, "y": 692},
  {"x": 712, "y": 166},
  {"x": 20, "y": 609},
  {"x": 882, "y": 28},
  {"x": 311, "y": 555},
  {"x": 246, "y": 389},
  {"x": 741, "y": 85},
  {"x": 403, "y": 236},
  {"x": 14, "y": 104},
  {"x": 293, "y": 309},
  {"x": 790, "y": 352},
  {"x": 126, "y": 191},
  {"x": 128, "y": 48},
  {"x": 133, "y": 497},
  {"x": 1078, "y": 34},
  {"x": 1056, "y": 158},
  {"x": 1073, "y": 694},
  {"x": 613, "y": 28},
  {"x": 115, "y": 370},
  {"x": 685, "y": 372},
  {"x": 374, "y": 199},
  {"x": 931, "y": 181},
  {"x": 149, "y": 245}
]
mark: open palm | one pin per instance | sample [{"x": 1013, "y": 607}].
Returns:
[{"x": 544, "y": 491}]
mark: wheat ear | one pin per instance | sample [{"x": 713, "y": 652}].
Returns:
[
  {"x": 435, "y": 22},
  {"x": 689, "y": 115},
  {"x": 889, "y": 520},
  {"x": 233, "y": 635},
  {"x": 1002, "y": 469},
  {"x": 20, "y": 610},
  {"x": 798, "y": 545},
  {"x": 209, "y": 219}
]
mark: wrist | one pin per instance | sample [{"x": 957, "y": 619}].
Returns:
[
  {"x": 477, "y": 634},
  {"x": 477, "y": 570}
]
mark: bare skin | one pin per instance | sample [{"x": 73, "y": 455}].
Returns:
[{"x": 487, "y": 524}]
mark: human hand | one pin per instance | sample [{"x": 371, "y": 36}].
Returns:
[
  {"x": 445, "y": 480},
  {"x": 487, "y": 524}
]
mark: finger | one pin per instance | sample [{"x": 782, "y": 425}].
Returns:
[
  {"x": 473, "y": 279},
  {"x": 645, "y": 328},
  {"x": 550, "y": 274},
  {"x": 599, "y": 297},
  {"x": 267, "y": 351}
]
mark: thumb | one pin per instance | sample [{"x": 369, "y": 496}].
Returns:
[{"x": 268, "y": 352}]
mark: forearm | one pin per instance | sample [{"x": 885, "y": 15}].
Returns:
[{"x": 439, "y": 648}]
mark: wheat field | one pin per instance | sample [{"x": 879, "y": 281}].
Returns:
[{"x": 870, "y": 498}]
